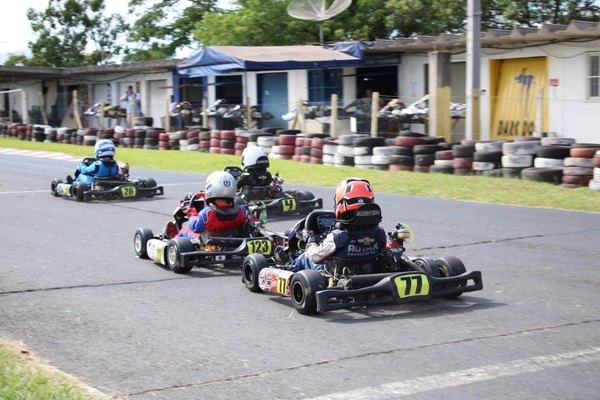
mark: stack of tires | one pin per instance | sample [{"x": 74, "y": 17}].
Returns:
[
  {"x": 50, "y": 135},
  {"x": 517, "y": 156},
  {"x": 594, "y": 184},
  {"x": 487, "y": 158},
  {"x": 163, "y": 141},
  {"x": 443, "y": 162},
  {"x": 463, "y": 157},
  {"x": 385, "y": 156},
  {"x": 190, "y": 140},
  {"x": 266, "y": 142},
  {"x": 316, "y": 149},
  {"x": 329, "y": 151},
  {"x": 403, "y": 159},
  {"x": 549, "y": 160},
  {"x": 90, "y": 136},
  {"x": 363, "y": 152},
  {"x": 241, "y": 142},
  {"x": 424, "y": 154},
  {"x": 285, "y": 148},
  {"x": 578, "y": 168}
]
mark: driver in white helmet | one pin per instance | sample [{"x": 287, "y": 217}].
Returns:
[
  {"x": 254, "y": 168},
  {"x": 221, "y": 216}
]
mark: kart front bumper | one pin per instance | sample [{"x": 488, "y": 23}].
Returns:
[
  {"x": 123, "y": 192},
  {"x": 398, "y": 288}
]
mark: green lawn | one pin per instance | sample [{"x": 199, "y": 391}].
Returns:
[{"x": 470, "y": 188}]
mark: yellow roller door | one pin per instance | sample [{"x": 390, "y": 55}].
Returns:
[{"x": 514, "y": 103}]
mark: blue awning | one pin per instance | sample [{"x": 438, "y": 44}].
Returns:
[{"x": 218, "y": 60}]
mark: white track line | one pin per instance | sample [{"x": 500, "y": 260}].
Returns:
[{"x": 411, "y": 387}]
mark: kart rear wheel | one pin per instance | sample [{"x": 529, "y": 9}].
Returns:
[
  {"x": 149, "y": 183},
  {"x": 303, "y": 288},
  {"x": 79, "y": 189},
  {"x": 53, "y": 186},
  {"x": 451, "y": 266},
  {"x": 177, "y": 246},
  {"x": 140, "y": 239},
  {"x": 428, "y": 265},
  {"x": 251, "y": 268},
  {"x": 305, "y": 195}
]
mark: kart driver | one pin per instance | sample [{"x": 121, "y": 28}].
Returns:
[
  {"x": 105, "y": 165},
  {"x": 254, "y": 168},
  {"x": 221, "y": 215},
  {"x": 347, "y": 241}
]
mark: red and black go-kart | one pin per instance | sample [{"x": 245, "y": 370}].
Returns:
[
  {"x": 277, "y": 201},
  {"x": 392, "y": 277},
  {"x": 124, "y": 187},
  {"x": 181, "y": 254}
]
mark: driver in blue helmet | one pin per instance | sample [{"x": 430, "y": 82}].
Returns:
[{"x": 104, "y": 165}]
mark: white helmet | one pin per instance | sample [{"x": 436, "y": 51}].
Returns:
[
  {"x": 220, "y": 185},
  {"x": 254, "y": 157},
  {"x": 104, "y": 148}
]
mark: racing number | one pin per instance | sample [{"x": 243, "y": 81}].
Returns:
[
  {"x": 412, "y": 285},
  {"x": 288, "y": 205},
  {"x": 262, "y": 246},
  {"x": 282, "y": 285},
  {"x": 128, "y": 191}
]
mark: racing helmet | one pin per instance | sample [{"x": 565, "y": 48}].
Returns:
[
  {"x": 220, "y": 185},
  {"x": 254, "y": 157},
  {"x": 104, "y": 148},
  {"x": 350, "y": 194}
]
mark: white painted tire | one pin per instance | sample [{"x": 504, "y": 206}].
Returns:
[
  {"x": 520, "y": 148},
  {"x": 578, "y": 162},
  {"x": 490, "y": 146},
  {"x": 483, "y": 166},
  {"x": 542, "y": 162},
  {"x": 443, "y": 163},
  {"x": 345, "y": 150},
  {"x": 517, "y": 161},
  {"x": 594, "y": 184}
]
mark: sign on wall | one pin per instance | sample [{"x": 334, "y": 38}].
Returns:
[{"x": 515, "y": 101}]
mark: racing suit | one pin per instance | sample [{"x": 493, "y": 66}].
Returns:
[
  {"x": 349, "y": 244},
  {"x": 254, "y": 177},
  {"x": 102, "y": 168},
  {"x": 211, "y": 221}
]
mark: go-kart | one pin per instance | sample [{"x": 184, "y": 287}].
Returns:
[
  {"x": 122, "y": 187},
  {"x": 276, "y": 200},
  {"x": 181, "y": 254},
  {"x": 392, "y": 277}
]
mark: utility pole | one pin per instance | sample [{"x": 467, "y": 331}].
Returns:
[{"x": 473, "y": 86}]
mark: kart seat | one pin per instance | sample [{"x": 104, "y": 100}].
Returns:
[{"x": 251, "y": 193}]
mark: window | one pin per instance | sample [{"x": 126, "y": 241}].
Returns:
[
  {"x": 322, "y": 84},
  {"x": 594, "y": 76}
]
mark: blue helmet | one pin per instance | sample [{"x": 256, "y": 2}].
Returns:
[{"x": 104, "y": 148}]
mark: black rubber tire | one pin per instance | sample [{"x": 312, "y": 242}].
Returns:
[
  {"x": 303, "y": 287},
  {"x": 140, "y": 239},
  {"x": 549, "y": 175},
  {"x": 53, "y": 185},
  {"x": 429, "y": 265},
  {"x": 558, "y": 152},
  {"x": 149, "y": 183},
  {"x": 304, "y": 195},
  {"x": 251, "y": 268},
  {"x": 488, "y": 156},
  {"x": 451, "y": 266},
  {"x": 177, "y": 246},
  {"x": 463, "y": 150},
  {"x": 79, "y": 189}
]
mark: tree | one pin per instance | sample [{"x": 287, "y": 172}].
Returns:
[
  {"x": 165, "y": 27},
  {"x": 416, "y": 17},
  {"x": 534, "y": 13},
  {"x": 72, "y": 33}
]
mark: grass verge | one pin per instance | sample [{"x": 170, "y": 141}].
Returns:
[
  {"x": 436, "y": 185},
  {"x": 24, "y": 376}
]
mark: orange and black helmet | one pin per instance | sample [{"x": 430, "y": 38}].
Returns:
[{"x": 350, "y": 194}]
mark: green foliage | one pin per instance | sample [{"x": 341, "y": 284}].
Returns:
[
  {"x": 416, "y": 17},
  {"x": 72, "y": 33},
  {"x": 164, "y": 27}
]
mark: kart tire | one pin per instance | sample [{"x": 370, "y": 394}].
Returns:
[
  {"x": 149, "y": 183},
  {"x": 303, "y": 288},
  {"x": 251, "y": 268},
  {"x": 427, "y": 265},
  {"x": 53, "y": 186},
  {"x": 140, "y": 239},
  {"x": 177, "y": 246},
  {"x": 305, "y": 195},
  {"x": 79, "y": 189},
  {"x": 451, "y": 266}
]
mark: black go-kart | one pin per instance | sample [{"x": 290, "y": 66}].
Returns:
[
  {"x": 278, "y": 202},
  {"x": 181, "y": 254},
  {"x": 392, "y": 277},
  {"x": 123, "y": 187}
]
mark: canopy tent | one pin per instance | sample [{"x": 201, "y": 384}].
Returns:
[{"x": 215, "y": 60}]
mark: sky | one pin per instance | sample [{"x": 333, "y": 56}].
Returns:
[{"x": 15, "y": 29}]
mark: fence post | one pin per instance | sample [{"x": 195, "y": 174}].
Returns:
[
  {"x": 334, "y": 116},
  {"x": 374, "y": 114}
]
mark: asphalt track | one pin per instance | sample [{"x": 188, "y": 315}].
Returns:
[{"x": 73, "y": 291}]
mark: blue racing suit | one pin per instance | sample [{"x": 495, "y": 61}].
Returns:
[
  {"x": 348, "y": 244},
  {"x": 102, "y": 168}
]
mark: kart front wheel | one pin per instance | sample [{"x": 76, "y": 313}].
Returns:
[
  {"x": 79, "y": 189},
  {"x": 177, "y": 246},
  {"x": 303, "y": 288},
  {"x": 451, "y": 266},
  {"x": 251, "y": 268},
  {"x": 53, "y": 186},
  {"x": 140, "y": 239}
]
